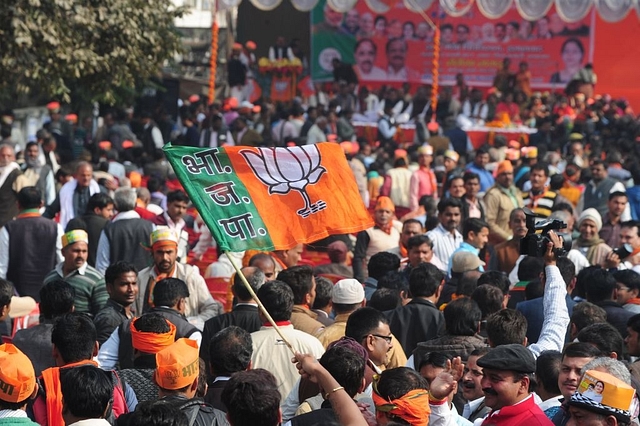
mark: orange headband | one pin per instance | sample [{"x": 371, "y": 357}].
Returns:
[
  {"x": 412, "y": 407},
  {"x": 164, "y": 243},
  {"x": 152, "y": 343}
]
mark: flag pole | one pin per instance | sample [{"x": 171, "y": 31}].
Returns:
[{"x": 260, "y": 305}]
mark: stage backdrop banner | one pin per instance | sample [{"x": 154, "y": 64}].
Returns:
[{"x": 397, "y": 46}]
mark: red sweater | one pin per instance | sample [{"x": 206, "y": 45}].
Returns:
[{"x": 527, "y": 413}]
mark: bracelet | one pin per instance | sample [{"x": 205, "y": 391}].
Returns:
[
  {"x": 326, "y": 395},
  {"x": 434, "y": 399}
]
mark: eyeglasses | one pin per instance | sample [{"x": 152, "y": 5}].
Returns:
[{"x": 387, "y": 339}]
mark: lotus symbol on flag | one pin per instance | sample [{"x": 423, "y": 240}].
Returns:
[{"x": 287, "y": 169}]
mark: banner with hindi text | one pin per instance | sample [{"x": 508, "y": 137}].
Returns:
[{"x": 270, "y": 198}]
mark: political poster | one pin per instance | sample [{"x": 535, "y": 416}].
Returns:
[{"x": 397, "y": 46}]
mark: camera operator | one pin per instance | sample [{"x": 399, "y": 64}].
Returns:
[
  {"x": 555, "y": 313},
  {"x": 620, "y": 257}
]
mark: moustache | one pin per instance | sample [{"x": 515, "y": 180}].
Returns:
[
  {"x": 468, "y": 385},
  {"x": 489, "y": 391}
]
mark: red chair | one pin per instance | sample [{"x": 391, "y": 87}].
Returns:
[
  {"x": 334, "y": 278},
  {"x": 220, "y": 289}
]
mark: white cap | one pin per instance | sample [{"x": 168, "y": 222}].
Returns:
[{"x": 347, "y": 292}]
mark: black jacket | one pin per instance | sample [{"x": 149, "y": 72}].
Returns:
[
  {"x": 243, "y": 316},
  {"x": 198, "y": 412},
  {"x": 417, "y": 321},
  {"x": 108, "y": 319},
  {"x": 324, "y": 416},
  {"x": 617, "y": 316},
  {"x": 214, "y": 395}
]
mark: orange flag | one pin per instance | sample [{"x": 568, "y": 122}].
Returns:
[{"x": 271, "y": 198}]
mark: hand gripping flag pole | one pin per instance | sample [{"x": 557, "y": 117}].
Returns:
[
  {"x": 260, "y": 305},
  {"x": 243, "y": 193}
]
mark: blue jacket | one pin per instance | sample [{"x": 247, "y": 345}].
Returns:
[
  {"x": 533, "y": 312},
  {"x": 633, "y": 194},
  {"x": 486, "y": 178}
]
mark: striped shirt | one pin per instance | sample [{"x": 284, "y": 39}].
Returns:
[
  {"x": 88, "y": 283},
  {"x": 540, "y": 204},
  {"x": 444, "y": 243}
]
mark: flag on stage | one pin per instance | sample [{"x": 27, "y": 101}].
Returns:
[{"x": 271, "y": 198}]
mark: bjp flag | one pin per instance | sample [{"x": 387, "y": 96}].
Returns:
[{"x": 271, "y": 198}]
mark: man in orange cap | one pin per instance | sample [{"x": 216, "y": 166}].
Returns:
[
  {"x": 384, "y": 235},
  {"x": 177, "y": 375},
  {"x": 61, "y": 130},
  {"x": 236, "y": 72},
  {"x": 150, "y": 334},
  {"x": 439, "y": 142},
  {"x": 499, "y": 201},
  {"x": 164, "y": 246},
  {"x": 423, "y": 181},
  {"x": 18, "y": 386},
  {"x": 170, "y": 295}
]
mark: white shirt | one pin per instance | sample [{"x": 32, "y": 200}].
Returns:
[
  {"x": 108, "y": 354},
  {"x": 270, "y": 353},
  {"x": 400, "y": 75},
  {"x": 91, "y": 422},
  {"x": 6, "y": 414},
  {"x": 4, "y": 250},
  {"x": 156, "y": 135},
  {"x": 444, "y": 242},
  {"x": 471, "y": 406},
  {"x": 375, "y": 74}
]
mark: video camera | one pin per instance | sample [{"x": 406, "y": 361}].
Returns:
[{"x": 537, "y": 238}]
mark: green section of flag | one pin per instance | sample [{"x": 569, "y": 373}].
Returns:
[{"x": 223, "y": 201}]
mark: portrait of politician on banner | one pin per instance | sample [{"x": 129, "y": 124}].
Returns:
[{"x": 396, "y": 45}]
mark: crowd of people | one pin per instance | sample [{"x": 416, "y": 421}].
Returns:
[{"x": 447, "y": 311}]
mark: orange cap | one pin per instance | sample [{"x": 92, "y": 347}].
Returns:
[
  {"x": 16, "y": 374},
  {"x": 251, "y": 45},
  {"x": 152, "y": 343},
  {"x": 385, "y": 203},
  {"x": 177, "y": 366},
  {"x": 136, "y": 179},
  {"x": 504, "y": 167},
  {"x": 433, "y": 126},
  {"x": 236, "y": 46},
  {"x": 53, "y": 106},
  {"x": 514, "y": 144},
  {"x": 127, "y": 144},
  {"x": 72, "y": 118},
  {"x": 194, "y": 99},
  {"x": 104, "y": 145},
  {"x": 232, "y": 103},
  {"x": 512, "y": 154},
  {"x": 399, "y": 153}
]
